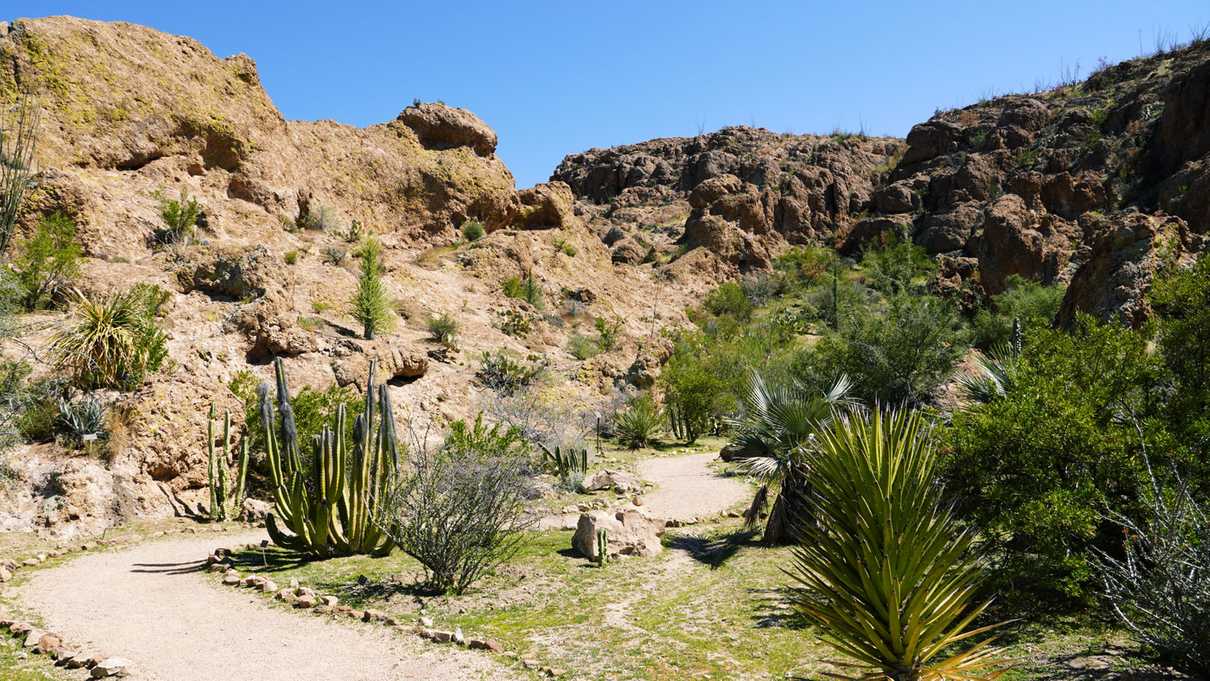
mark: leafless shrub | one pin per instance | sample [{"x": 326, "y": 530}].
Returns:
[
  {"x": 459, "y": 514},
  {"x": 541, "y": 422}
]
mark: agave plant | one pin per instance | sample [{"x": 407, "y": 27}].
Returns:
[
  {"x": 773, "y": 430},
  {"x": 883, "y": 568},
  {"x": 993, "y": 375}
]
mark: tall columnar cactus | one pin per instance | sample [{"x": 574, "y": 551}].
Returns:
[
  {"x": 224, "y": 505},
  {"x": 326, "y": 509}
]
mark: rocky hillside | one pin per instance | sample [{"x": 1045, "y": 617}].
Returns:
[
  {"x": 130, "y": 116},
  {"x": 1093, "y": 183}
]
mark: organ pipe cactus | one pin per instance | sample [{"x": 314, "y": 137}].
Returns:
[
  {"x": 326, "y": 509},
  {"x": 222, "y": 504}
]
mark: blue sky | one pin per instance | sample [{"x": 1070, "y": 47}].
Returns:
[{"x": 554, "y": 78}]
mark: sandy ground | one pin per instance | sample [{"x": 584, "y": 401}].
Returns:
[
  {"x": 686, "y": 487},
  {"x": 153, "y": 605}
]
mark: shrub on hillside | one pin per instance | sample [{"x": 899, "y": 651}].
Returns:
[
  {"x": 1181, "y": 300},
  {"x": 897, "y": 267},
  {"x": 443, "y": 328},
  {"x": 47, "y": 262},
  {"x": 472, "y": 230},
  {"x": 525, "y": 288},
  {"x": 505, "y": 374},
  {"x": 180, "y": 218},
  {"x": 730, "y": 300},
  {"x": 694, "y": 394}
]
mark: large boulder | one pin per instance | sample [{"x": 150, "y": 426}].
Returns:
[
  {"x": 622, "y": 482},
  {"x": 549, "y": 205},
  {"x": 438, "y": 126},
  {"x": 1127, "y": 251},
  {"x": 396, "y": 362},
  {"x": 229, "y": 273},
  {"x": 628, "y": 533}
]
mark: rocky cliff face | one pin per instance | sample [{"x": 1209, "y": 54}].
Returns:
[
  {"x": 130, "y": 115},
  {"x": 1095, "y": 183}
]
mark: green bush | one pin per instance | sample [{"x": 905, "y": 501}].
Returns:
[
  {"x": 313, "y": 410},
  {"x": 805, "y": 265},
  {"x": 607, "y": 333},
  {"x": 897, "y": 267},
  {"x": 1033, "y": 304},
  {"x": 501, "y": 372},
  {"x": 1181, "y": 300},
  {"x": 638, "y": 424},
  {"x": 525, "y": 288},
  {"x": 476, "y": 439},
  {"x": 729, "y": 299},
  {"x": 48, "y": 261},
  {"x": 1036, "y": 469},
  {"x": 582, "y": 347},
  {"x": 694, "y": 393},
  {"x": 443, "y": 328},
  {"x": 899, "y": 353},
  {"x": 180, "y": 218},
  {"x": 472, "y": 230}
]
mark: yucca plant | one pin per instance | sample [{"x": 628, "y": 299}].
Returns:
[
  {"x": 992, "y": 377},
  {"x": 111, "y": 343},
  {"x": 883, "y": 568},
  {"x": 637, "y": 425},
  {"x": 774, "y": 427}
]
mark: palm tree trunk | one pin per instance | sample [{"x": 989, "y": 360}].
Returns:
[{"x": 790, "y": 509}]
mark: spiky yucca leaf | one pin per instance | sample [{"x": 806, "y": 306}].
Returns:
[
  {"x": 993, "y": 375},
  {"x": 882, "y": 567},
  {"x": 111, "y": 343}
]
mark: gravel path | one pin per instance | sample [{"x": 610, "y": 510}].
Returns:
[
  {"x": 687, "y": 488},
  {"x": 152, "y": 605}
]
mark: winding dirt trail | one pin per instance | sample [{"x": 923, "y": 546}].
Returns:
[
  {"x": 687, "y": 488},
  {"x": 153, "y": 605}
]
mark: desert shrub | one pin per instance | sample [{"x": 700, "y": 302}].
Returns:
[
  {"x": 1181, "y": 300},
  {"x": 313, "y": 410},
  {"x": 515, "y": 323},
  {"x": 505, "y": 374},
  {"x": 150, "y": 298},
  {"x": 1035, "y": 469},
  {"x": 291, "y": 257},
  {"x": 48, "y": 261},
  {"x": 883, "y": 568},
  {"x": 443, "y": 328},
  {"x": 607, "y": 333},
  {"x": 898, "y": 353},
  {"x": 81, "y": 420},
  {"x": 333, "y": 255},
  {"x": 525, "y": 288},
  {"x": 582, "y": 347},
  {"x": 805, "y": 265},
  {"x": 897, "y": 267},
  {"x": 837, "y": 298},
  {"x": 761, "y": 287},
  {"x": 459, "y": 513},
  {"x": 18, "y": 137},
  {"x": 1032, "y": 304},
  {"x": 111, "y": 341},
  {"x": 694, "y": 394},
  {"x": 729, "y": 299},
  {"x": 37, "y": 408},
  {"x": 638, "y": 424},
  {"x": 371, "y": 307},
  {"x": 180, "y": 216},
  {"x": 498, "y": 440},
  {"x": 543, "y": 421},
  {"x": 1160, "y": 587},
  {"x": 472, "y": 230},
  {"x": 565, "y": 247}
]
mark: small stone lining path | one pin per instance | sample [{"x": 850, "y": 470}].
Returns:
[{"x": 155, "y": 605}]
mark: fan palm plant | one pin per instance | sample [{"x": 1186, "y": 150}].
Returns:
[
  {"x": 883, "y": 568},
  {"x": 774, "y": 428}
]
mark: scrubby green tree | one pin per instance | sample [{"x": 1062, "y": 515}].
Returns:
[
  {"x": 729, "y": 299},
  {"x": 1037, "y": 469},
  {"x": 897, "y": 267},
  {"x": 1181, "y": 300},
  {"x": 48, "y": 261},
  {"x": 371, "y": 306},
  {"x": 180, "y": 218}
]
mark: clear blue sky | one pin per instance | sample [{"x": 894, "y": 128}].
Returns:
[{"x": 554, "y": 78}]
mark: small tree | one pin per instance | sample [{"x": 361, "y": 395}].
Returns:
[
  {"x": 180, "y": 217},
  {"x": 48, "y": 261},
  {"x": 371, "y": 306}
]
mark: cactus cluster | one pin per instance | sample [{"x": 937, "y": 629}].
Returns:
[
  {"x": 326, "y": 509},
  {"x": 566, "y": 460},
  {"x": 223, "y": 504}
]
